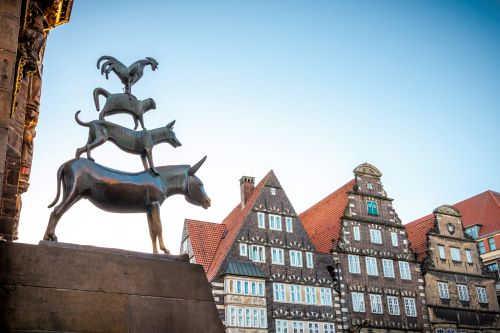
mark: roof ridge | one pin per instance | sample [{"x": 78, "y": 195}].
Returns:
[
  {"x": 328, "y": 196},
  {"x": 490, "y": 192}
]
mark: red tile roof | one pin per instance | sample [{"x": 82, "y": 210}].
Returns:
[
  {"x": 205, "y": 238},
  {"x": 481, "y": 209},
  {"x": 233, "y": 223},
  {"x": 322, "y": 220}
]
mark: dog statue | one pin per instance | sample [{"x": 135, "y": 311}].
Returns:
[
  {"x": 134, "y": 142},
  {"x": 123, "y": 192},
  {"x": 123, "y": 103}
]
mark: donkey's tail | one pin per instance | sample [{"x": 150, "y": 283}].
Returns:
[
  {"x": 82, "y": 123},
  {"x": 59, "y": 179},
  {"x": 97, "y": 92}
]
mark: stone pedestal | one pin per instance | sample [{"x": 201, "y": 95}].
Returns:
[{"x": 60, "y": 287}]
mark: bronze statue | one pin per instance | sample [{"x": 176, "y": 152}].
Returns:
[
  {"x": 128, "y": 75},
  {"x": 123, "y": 103},
  {"x": 123, "y": 192},
  {"x": 134, "y": 142}
]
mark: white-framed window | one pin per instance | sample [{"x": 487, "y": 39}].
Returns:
[
  {"x": 393, "y": 305},
  {"x": 281, "y": 326},
  {"x": 455, "y": 254},
  {"x": 353, "y": 263},
  {"x": 388, "y": 267},
  {"x": 313, "y": 327},
  {"x": 376, "y": 303},
  {"x": 295, "y": 294},
  {"x": 261, "y": 220},
  {"x": 394, "y": 239},
  {"x": 244, "y": 287},
  {"x": 257, "y": 253},
  {"x": 231, "y": 316},
  {"x": 356, "y": 234},
  {"x": 298, "y": 327},
  {"x": 463, "y": 292},
  {"x": 295, "y": 258},
  {"x": 309, "y": 260},
  {"x": 481, "y": 295},
  {"x": 184, "y": 246},
  {"x": 289, "y": 224},
  {"x": 328, "y": 328},
  {"x": 376, "y": 236},
  {"x": 468, "y": 255},
  {"x": 311, "y": 295},
  {"x": 243, "y": 250},
  {"x": 279, "y": 292},
  {"x": 325, "y": 296},
  {"x": 277, "y": 256},
  {"x": 442, "y": 252},
  {"x": 443, "y": 290},
  {"x": 274, "y": 222},
  {"x": 371, "y": 266},
  {"x": 358, "y": 302},
  {"x": 410, "y": 308},
  {"x": 372, "y": 208},
  {"x": 404, "y": 270},
  {"x": 273, "y": 190},
  {"x": 246, "y": 317}
]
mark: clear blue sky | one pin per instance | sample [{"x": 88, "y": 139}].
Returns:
[{"x": 309, "y": 89}]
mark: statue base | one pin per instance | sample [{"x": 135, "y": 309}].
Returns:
[{"x": 61, "y": 287}]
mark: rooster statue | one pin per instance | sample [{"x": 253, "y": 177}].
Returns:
[{"x": 128, "y": 75}]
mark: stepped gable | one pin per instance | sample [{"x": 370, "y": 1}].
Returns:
[
  {"x": 205, "y": 238},
  {"x": 233, "y": 223},
  {"x": 322, "y": 220}
]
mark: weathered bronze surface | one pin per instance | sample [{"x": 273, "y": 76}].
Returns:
[
  {"x": 123, "y": 103},
  {"x": 128, "y": 75},
  {"x": 122, "y": 192},
  {"x": 134, "y": 142}
]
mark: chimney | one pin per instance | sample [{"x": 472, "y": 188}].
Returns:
[{"x": 247, "y": 185}]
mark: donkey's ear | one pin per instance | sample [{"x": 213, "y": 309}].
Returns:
[
  {"x": 195, "y": 167},
  {"x": 171, "y": 124}
]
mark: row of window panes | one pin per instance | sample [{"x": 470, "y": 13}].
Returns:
[
  {"x": 246, "y": 317},
  {"x": 358, "y": 304},
  {"x": 289, "y": 326},
  {"x": 292, "y": 293},
  {"x": 258, "y": 253},
  {"x": 455, "y": 254},
  {"x": 375, "y": 236},
  {"x": 463, "y": 292},
  {"x": 274, "y": 222},
  {"x": 372, "y": 267},
  {"x": 244, "y": 287},
  {"x": 448, "y": 330},
  {"x": 491, "y": 243}
]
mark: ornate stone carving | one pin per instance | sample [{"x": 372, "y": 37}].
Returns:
[
  {"x": 447, "y": 210},
  {"x": 367, "y": 169}
]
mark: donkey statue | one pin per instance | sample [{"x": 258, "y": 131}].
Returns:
[{"x": 122, "y": 192}]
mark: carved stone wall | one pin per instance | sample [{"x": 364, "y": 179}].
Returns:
[{"x": 24, "y": 26}]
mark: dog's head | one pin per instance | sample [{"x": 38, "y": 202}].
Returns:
[{"x": 170, "y": 135}]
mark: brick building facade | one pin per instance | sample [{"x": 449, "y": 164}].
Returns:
[
  {"x": 380, "y": 282},
  {"x": 266, "y": 274},
  {"x": 460, "y": 293}
]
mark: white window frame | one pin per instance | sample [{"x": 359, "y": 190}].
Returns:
[
  {"x": 273, "y": 191},
  {"x": 404, "y": 270},
  {"x": 279, "y": 293},
  {"x": 328, "y": 328},
  {"x": 277, "y": 256},
  {"x": 325, "y": 296},
  {"x": 388, "y": 267},
  {"x": 298, "y": 327},
  {"x": 313, "y": 327},
  {"x": 444, "y": 292},
  {"x": 356, "y": 234},
  {"x": 376, "y": 236},
  {"x": 289, "y": 224},
  {"x": 376, "y": 303},
  {"x": 463, "y": 292},
  {"x": 311, "y": 297},
  {"x": 274, "y": 222},
  {"x": 358, "y": 302},
  {"x": 261, "y": 220},
  {"x": 281, "y": 326},
  {"x": 455, "y": 254},
  {"x": 393, "y": 305},
  {"x": 354, "y": 266},
  {"x": 468, "y": 255},
  {"x": 442, "y": 251},
  {"x": 482, "y": 295},
  {"x": 309, "y": 260},
  {"x": 295, "y": 294},
  {"x": 371, "y": 266},
  {"x": 394, "y": 239},
  {"x": 410, "y": 307},
  {"x": 243, "y": 250},
  {"x": 295, "y": 258},
  {"x": 261, "y": 251}
]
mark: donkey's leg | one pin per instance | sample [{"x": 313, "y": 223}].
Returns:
[
  {"x": 56, "y": 214},
  {"x": 152, "y": 231},
  {"x": 155, "y": 212}
]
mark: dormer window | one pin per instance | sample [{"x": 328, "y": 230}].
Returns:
[
  {"x": 372, "y": 207},
  {"x": 473, "y": 231},
  {"x": 273, "y": 191}
]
